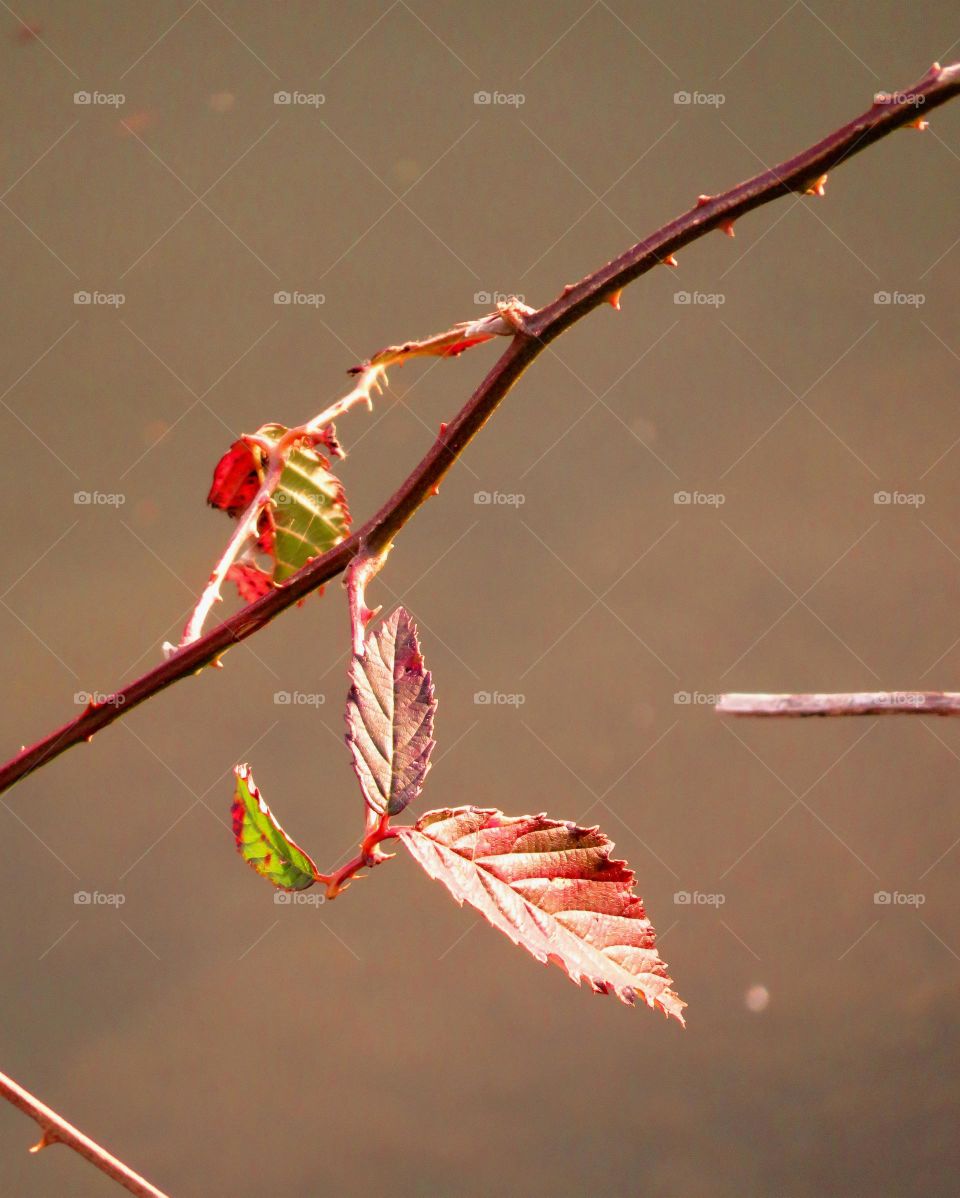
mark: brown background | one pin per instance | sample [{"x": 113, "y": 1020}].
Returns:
[{"x": 225, "y": 1045}]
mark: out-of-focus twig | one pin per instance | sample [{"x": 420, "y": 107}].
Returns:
[
  {"x": 56, "y": 1130},
  {"x": 853, "y": 703}
]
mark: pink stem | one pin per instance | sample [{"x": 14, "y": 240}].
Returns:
[{"x": 57, "y": 1130}]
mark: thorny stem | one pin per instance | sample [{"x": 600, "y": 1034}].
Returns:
[
  {"x": 802, "y": 174},
  {"x": 368, "y": 380},
  {"x": 856, "y": 703},
  {"x": 57, "y": 1130},
  {"x": 377, "y": 831}
]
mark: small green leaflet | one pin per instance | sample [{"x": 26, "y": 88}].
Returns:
[
  {"x": 262, "y": 843},
  {"x": 311, "y": 514}
]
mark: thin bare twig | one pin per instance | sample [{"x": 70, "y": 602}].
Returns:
[
  {"x": 57, "y": 1130},
  {"x": 854, "y": 703},
  {"x": 803, "y": 174}
]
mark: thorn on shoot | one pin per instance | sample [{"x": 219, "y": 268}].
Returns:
[
  {"x": 727, "y": 227},
  {"x": 670, "y": 260},
  {"x": 613, "y": 299},
  {"x": 361, "y": 570},
  {"x": 817, "y": 187},
  {"x": 919, "y": 123}
]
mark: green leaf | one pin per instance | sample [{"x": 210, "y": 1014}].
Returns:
[
  {"x": 262, "y": 843},
  {"x": 311, "y": 513}
]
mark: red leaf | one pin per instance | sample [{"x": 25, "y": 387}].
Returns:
[
  {"x": 252, "y": 582},
  {"x": 236, "y": 479},
  {"x": 554, "y": 889}
]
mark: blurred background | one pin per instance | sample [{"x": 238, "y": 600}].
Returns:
[{"x": 746, "y": 480}]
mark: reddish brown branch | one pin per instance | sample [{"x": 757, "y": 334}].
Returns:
[
  {"x": 856, "y": 703},
  {"x": 58, "y": 1131},
  {"x": 802, "y": 174}
]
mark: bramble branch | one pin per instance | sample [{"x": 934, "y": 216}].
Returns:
[
  {"x": 530, "y": 333},
  {"x": 57, "y": 1130},
  {"x": 854, "y": 703}
]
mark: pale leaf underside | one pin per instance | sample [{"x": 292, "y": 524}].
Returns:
[
  {"x": 553, "y": 888},
  {"x": 390, "y": 711}
]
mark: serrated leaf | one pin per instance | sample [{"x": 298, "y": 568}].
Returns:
[
  {"x": 251, "y": 582},
  {"x": 553, "y": 888},
  {"x": 262, "y": 843},
  {"x": 310, "y": 513},
  {"x": 390, "y": 710}
]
